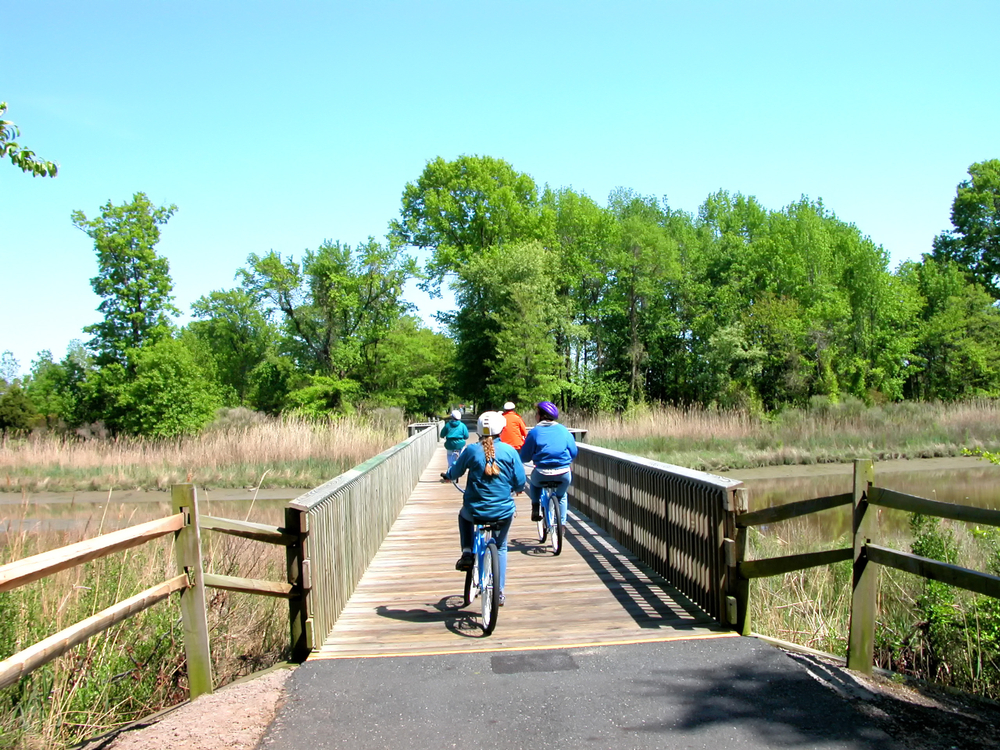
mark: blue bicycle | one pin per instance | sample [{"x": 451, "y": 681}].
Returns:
[
  {"x": 550, "y": 524},
  {"x": 483, "y": 580}
]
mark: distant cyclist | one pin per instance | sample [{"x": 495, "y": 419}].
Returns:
[
  {"x": 552, "y": 448},
  {"x": 454, "y": 433},
  {"x": 516, "y": 430},
  {"x": 495, "y": 474}
]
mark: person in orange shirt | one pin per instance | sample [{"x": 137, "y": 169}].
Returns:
[{"x": 516, "y": 431}]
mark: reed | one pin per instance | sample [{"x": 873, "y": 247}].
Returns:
[
  {"x": 292, "y": 452},
  {"x": 137, "y": 667},
  {"x": 719, "y": 440}
]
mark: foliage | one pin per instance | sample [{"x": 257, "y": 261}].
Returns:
[
  {"x": 22, "y": 158},
  {"x": 17, "y": 412},
  {"x": 132, "y": 281},
  {"x": 460, "y": 207},
  {"x": 974, "y": 240}
]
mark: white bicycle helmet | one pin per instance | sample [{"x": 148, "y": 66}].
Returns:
[
  {"x": 491, "y": 423},
  {"x": 456, "y": 414}
]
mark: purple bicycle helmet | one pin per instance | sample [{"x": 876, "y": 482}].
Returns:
[{"x": 548, "y": 409}]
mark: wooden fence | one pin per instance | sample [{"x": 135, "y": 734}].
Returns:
[
  {"x": 344, "y": 522},
  {"x": 190, "y": 582},
  {"x": 675, "y": 520},
  {"x": 865, "y": 554}
]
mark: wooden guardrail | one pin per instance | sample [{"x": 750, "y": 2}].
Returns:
[
  {"x": 866, "y": 555},
  {"x": 675, "y": 520},
  {"x": 342, "y": 524},
  {"x": 190, "y": 582}
]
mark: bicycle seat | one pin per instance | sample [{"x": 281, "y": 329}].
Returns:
[
  {"x": 549, "y": 485},
  {"x": 493, "y": 524}
]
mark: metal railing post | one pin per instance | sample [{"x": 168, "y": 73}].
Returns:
[
  {"x": 187, "y": 548},
  {"x": 861, "y": 636}
]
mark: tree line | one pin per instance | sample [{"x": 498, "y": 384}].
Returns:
[{"x": 598, "y": 307}]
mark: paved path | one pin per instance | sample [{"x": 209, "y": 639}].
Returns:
[{"x": 719, "y": 693}]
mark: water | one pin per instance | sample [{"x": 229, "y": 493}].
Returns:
[{"x": 962, "y": 481}]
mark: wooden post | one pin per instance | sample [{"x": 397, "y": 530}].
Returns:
[
  {"x": 861, "y": 637},
  {"x": 187, "y": 548},
  {"x": 300, "y": 578},
  {"x": 738, "y": 587}
]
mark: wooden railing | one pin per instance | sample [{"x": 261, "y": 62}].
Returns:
[
  {"x": 866, "y": 555},
  {"x": 675, "y": 520},
  {"x": 343, "y": 523},
  {"x": 190, "y": 582}
]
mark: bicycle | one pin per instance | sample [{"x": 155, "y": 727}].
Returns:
[
  {"x": 550, "y": 525},
  {"x": 483, "y": 578}
]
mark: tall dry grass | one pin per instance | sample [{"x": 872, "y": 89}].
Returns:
[
  {"x": 138, "y": 666},
  {"x": 292, "y": 452},
  {"x": 717, "y": 440}
]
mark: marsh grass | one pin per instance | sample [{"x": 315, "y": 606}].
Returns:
[
  {"x": 923, "y": 628},
  {"x": 138, "y": 666},
  {"x": 719, "y": 440},
  {"x": 286, "y": 452}
]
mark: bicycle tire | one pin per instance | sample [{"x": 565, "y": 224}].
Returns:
[
  {"x": 543, "y": 529},
  {"x": 491, "y": 588},
  {"x": 555, "y": 526}
]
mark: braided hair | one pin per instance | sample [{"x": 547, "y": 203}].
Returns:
[{"x": 489, "y": 452}]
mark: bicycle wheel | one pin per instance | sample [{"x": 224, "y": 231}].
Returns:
[
  {"x": 491, "y": 588},
  {"x": 555, "y": 525},
  {"x": 543, "y": 529}
]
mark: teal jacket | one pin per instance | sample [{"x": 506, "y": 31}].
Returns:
[
  {"x": 454, "y": 433},
  {"x": 486, "y": 496}
]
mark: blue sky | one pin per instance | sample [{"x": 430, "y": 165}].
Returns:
[{"x": 279, "y": 125}]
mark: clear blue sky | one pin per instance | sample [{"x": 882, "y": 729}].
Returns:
[{"x": 279, "y": 125}]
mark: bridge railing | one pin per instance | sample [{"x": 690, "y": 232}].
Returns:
[
  {"x": 343, "y": 523},
  {"x": 675, "y": 520},
  {"x": 866, "y": 555}
]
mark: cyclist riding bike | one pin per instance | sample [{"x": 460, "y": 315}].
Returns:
[
  {"x": 516, "y": 431},
  {"x": 495, "y": 475},
  {"x": 551, "y": 448},
  {"x": 454, "y": 433}
]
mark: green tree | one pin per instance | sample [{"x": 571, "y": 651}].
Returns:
[
  {"x": 133, "y": 281},
  {"x": 414, "y": 369},
  {"x": 236, "y": 334},
  {"x": 22, "y": 158},
  {"x": 167, "y": 394},
  {"x": 974, "y": 240},
  {"x": 17, "y": 412},
  {"x": 506, "y": 326},
  {"x": 338, "y": 305},
  {"x": 457, "y": 208}
]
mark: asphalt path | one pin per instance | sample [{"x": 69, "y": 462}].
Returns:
[{"x": 718, "y": 693}]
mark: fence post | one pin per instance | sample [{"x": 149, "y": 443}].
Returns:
[
  {"x": 737, "y": 609},
  {"x": 187, "y": 548},
  {"x": 298, "y": 568},
  {"x": 861, "y": 637}
]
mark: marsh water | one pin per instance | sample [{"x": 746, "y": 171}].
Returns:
[{"x": 965, "y": 481}]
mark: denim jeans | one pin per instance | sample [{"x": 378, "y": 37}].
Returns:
[{"x": 535, "y": 490}]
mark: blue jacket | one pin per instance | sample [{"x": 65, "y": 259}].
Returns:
[
  {"x": 549, "y": 445},
  {"x": 455, "y": 433},
  {"x": 490, "y": 497}
]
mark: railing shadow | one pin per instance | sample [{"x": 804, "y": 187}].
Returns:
[{"x": 650, "y": 600}]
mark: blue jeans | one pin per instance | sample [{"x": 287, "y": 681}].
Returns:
[
  {"x": 535, "y": 490},
  {"x": 452, "y": 457},
  {"x": 465, "y": 531}
]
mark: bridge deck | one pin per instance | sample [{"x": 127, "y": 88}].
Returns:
[{"x": 410, "y": 599}]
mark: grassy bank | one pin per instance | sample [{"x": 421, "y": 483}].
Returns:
[
  {"x": 713, "y": 440},
  {"x": 276, "y": 452},
  {"x": 138, "y": 666},
  {"x": 923, "y": 628}
]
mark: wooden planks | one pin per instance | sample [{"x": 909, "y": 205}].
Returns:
[{"x": 409, "y": 600}]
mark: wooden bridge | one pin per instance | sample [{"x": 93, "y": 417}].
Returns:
[{"x": 409, "y": 600}]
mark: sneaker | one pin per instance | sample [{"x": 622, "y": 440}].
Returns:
[
  {"x": 465, "y": 561},
  {"x": 502, "y": 598},
  {"x": 536, "y": 512}
]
